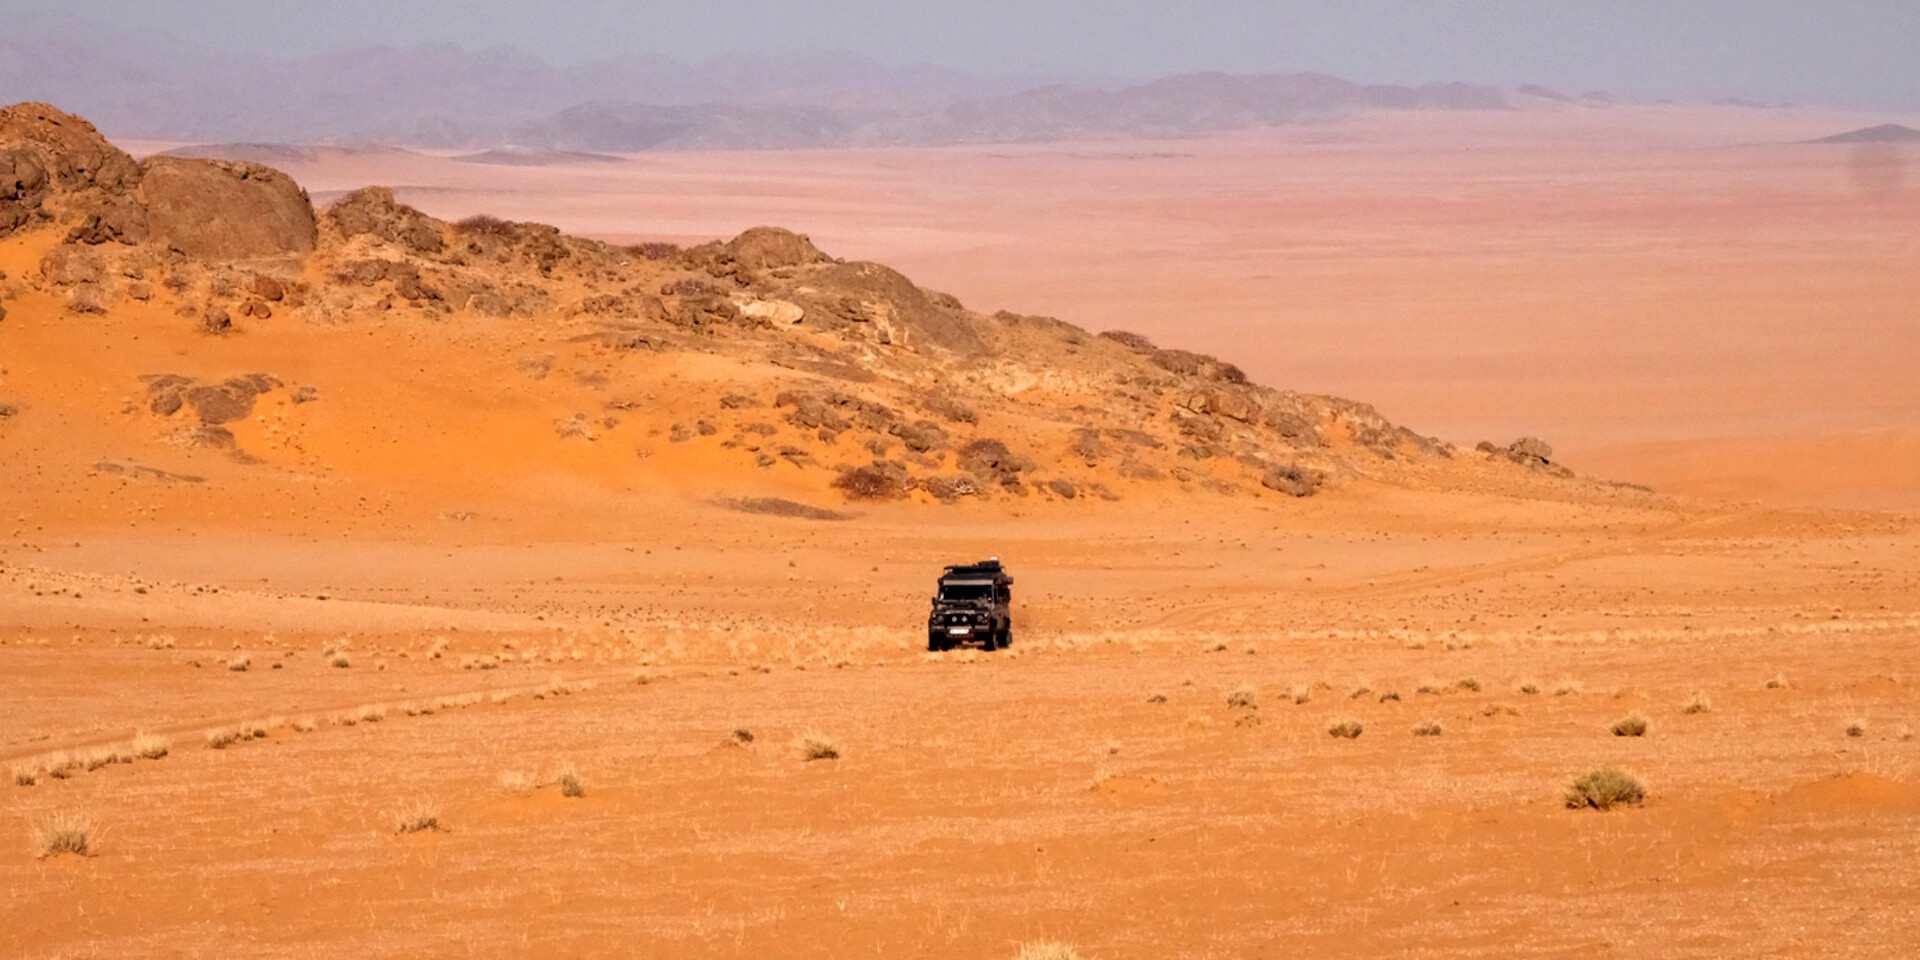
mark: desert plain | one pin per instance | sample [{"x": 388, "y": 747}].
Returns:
[{"x": 413, "y": 599}]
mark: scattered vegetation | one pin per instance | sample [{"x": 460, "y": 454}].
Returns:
[
  {"x": 1699, "y": 704},
  {"x": 814, "y": 747},
  {"x": 1156, "y": 697},
  {"x": 1604, "y": 789},
  {"x": 222, "y": 738},
  {"x": 239, "y": 664},
  {"x": 1428, "y": 728},
  {"x": 1857, "y": 728},
  {"x": 1566, "y": 688},
  {"x": 1348, "y": 729},
  {"x": 1244, "y": 698},
  {"x": 1301, "y": 694},
  {"x": 25, "y": 775},
  {"x": 1469, "y": 684},
  {"x": 339, "y": 660},
  {"x": 1631, "y": 725},
  {"x": 516, "y": 783},
  {"x": 1528, "y": 688},
  {"x": 1778, "y": 682},
  {"x": 571, "y": 784},
  {"x": 150, "y": 747},
  {"x": 63, "y": 833},
  {"x": 870, "y": 483}
]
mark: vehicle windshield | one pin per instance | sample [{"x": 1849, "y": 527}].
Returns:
[{"x": 965, "y": 591}]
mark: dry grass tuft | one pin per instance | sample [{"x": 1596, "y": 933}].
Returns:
[
  {"x": 1348, "y": 729},
  {"x": 516, "y": 783},
  {"x": 1566, "y": 688},
  {"x": 1244, "y": 698},
  {"x": 149, "y": 747},
  {"x": 416, "y": 818},
  {"x": 25, "y": 775},
  {"x": 222, "y": 738},
  {"x": 339, "y": 660},
  {"x": 1631, "y": 725},
  {"x": 304, "y": 725},
  {"x": 1469, "y": 684},
  {"x": 1857, "y": 728},
  {"x": 571, "y": 785},
  {"x": 814, "y": 747},
  {"x": 1301, "y": 693},
  {"x": 1430, "y": 686},
  {"x": 1156, "y": 697},
  {"x": 1528, "y": 688},
  {"x": 1046, "y": 950},
  {"x": 1604, "y": 789},
  {"x": 1430, "y": 728},
  {"x": 1699, "y": 704},
  {"x": 63, "y": 833},
  {"x": 1777, "y": 683},
  {"x": 239, "y": 664}
]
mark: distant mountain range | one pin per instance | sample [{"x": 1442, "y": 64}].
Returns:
[{"x": 149, "y": 86}]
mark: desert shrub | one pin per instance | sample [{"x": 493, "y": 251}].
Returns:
[
  {"x": 1699, "y": 704},
  {"x": 1528, "y": 687},
  {"x": 1430, "y": 686},
  {"x": 1566, "y": 688},
  {"x": 571, "y": 785},
  {"x": 63, "y": 833},
  {"x": 416, "y": 818},
  {"x": 484, "y": 225},
  {"x": 239, "y": 664},
  {"x": 1857, "y": 728},
  {"x": 339, "y": 660},
  {"x": 62, "y": 765},
  {"x": 1232, "y": 374},
  {"x": 1156, "y": 698},
  {"x": 222, "y": 738},
  {"x": 304, "y": 725},
  {"x": 1293, "y": 480},
  {"x": 1348, "y": 729},
  {"x": 652, "y": 250},
  {"x": 1430, "y": 728},
  {"x": 1130, "y": 340},
  {"x": 1468, "y": 684},
  {"x": 1046, "y": 950},
  {"x": 1777, "y": 683},
  {"x": 515, "y": 782},
  {"x": 25, "y": 775},
  {"x": 815, "y": 747},
  {"x": 1390, "y": 695},
  {"x": 870, "y": 483},
  {"x": 1244, "y": 698},
  {"x": 149, "y": 747},
  {"x": 1604, "y": 789},
  {"x": 1631, "y": 725}
]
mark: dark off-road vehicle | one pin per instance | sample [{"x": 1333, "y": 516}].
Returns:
[{"x": 973, "y": 605}]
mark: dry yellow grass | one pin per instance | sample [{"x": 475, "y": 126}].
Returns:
[{"x": 63, "y": 833}]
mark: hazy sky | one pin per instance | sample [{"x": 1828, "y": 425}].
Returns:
[{"x": 1862, "y": 50}]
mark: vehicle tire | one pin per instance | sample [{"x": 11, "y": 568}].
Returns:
[
  {"x": 1006, "y": 635},
  {"x": 935, "y": 642},
  {"x": 988, "y": 644}
]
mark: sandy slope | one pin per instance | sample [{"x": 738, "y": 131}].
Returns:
[{"x": 1608, "y": 279}]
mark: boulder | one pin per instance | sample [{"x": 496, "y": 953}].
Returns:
[
  {"x": 770, "y": 248},
  {"x": 49, "y": 158},
  {"x": 221, "y": 210},
  {"x": 373, "y": 212}
]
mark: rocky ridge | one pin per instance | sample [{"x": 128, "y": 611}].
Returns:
[{"x": 864, "y": 382}]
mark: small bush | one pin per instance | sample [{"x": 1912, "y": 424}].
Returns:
[
  {"x": 1156, "y": 698},
  {"x": 1468, "y": 684},
  {"x": 1430, "y": 728},
  {"x": 1130, "y": 340},
  {"x": 150, "y": 748},
  {"x": 1699, "y": 704},
  {"x": 63, "y": 834},
  {"x": 517, "y": 783},
  {"x": 1390, "y": 695},
  {"x": 1777, "y": 683},
  {"x": 818, "y": 748},
  {"x": 25, "y": 775},
  {"x": 1566, "y": 688},
  {"x": 870, "y": 483},
  {"x": 1046, "y": 950},
  {"x": 339, "y": 661},
  {"x": 1528, "y": 688},
  {"x": 652, "y": 250},
  {"x": 1348, "y": 729},
  {"x": 1245, "y": 698},
  {"x": 484, "y": 225},
  {"x": 1631, "y": 725},
  {"x": 416, "y": 818},
  {"x": 1604, "y": 789},
  {"x": 304, "y": 725},
  {"x": 1430, "y": 687},
  {"x": 1301, "y": 693},
  {"x": 1857, "y": 728},
  {"x": 742, "y": 736},
  {"x": 571, "y": 784},
  {"x": 222, "y": 738}
]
